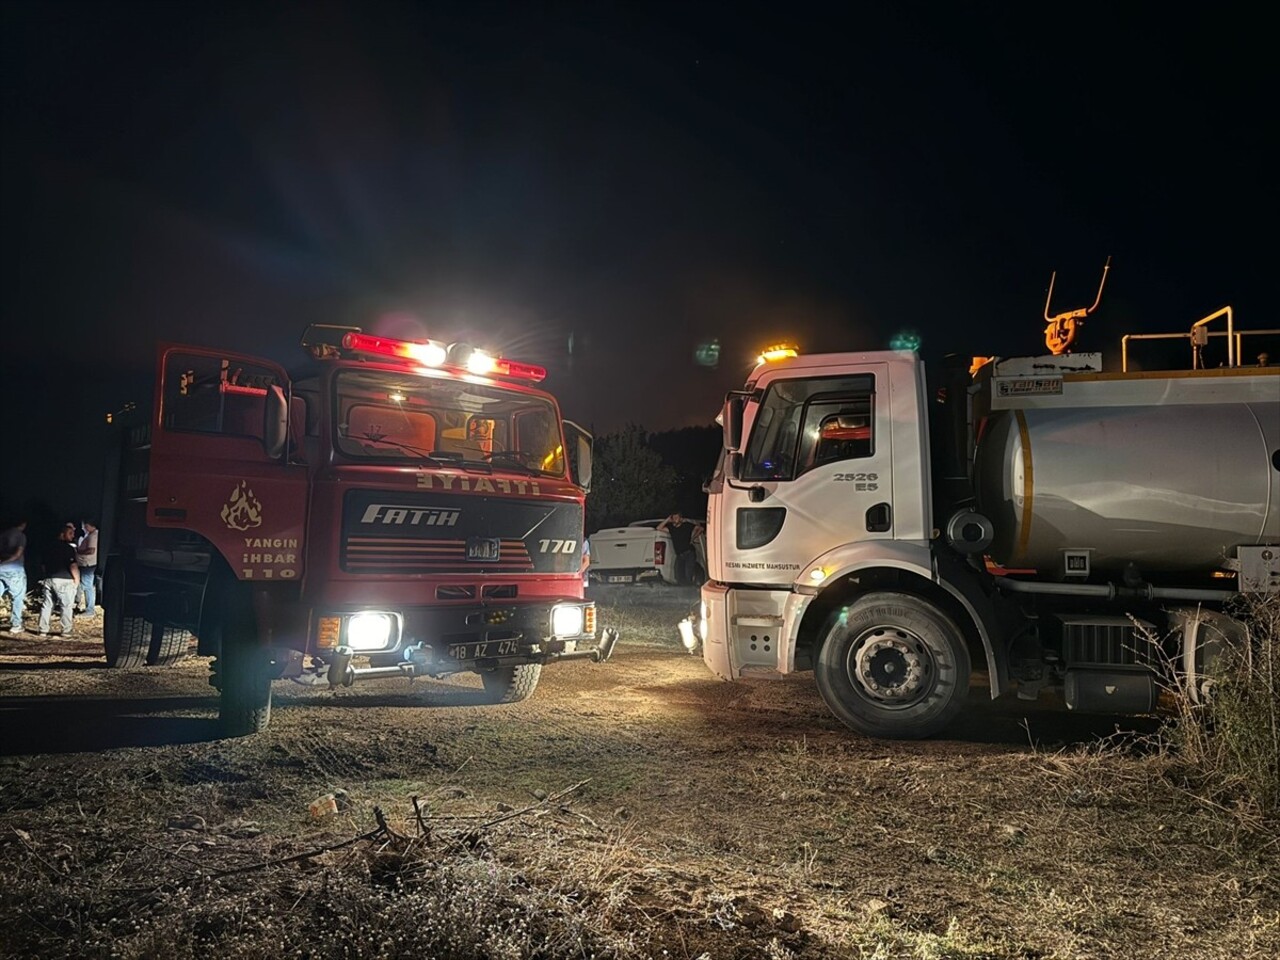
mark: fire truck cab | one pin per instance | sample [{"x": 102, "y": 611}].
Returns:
[{"x": 396, "y": 508}]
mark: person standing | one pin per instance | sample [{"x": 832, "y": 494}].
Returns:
[
  {"x": 681, "y": 533},
  {"x": 13, "y": 572},
  {"x": 87, "y": 561},
  {"x": 700, "y": 552},
  {"x": 61, "y": 583}
]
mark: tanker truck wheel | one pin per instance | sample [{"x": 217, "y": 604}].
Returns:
[
  {"x": 893, "y": 666},
  {"x": 510, "y": 684},
  {"x": 242, "y": 675}
]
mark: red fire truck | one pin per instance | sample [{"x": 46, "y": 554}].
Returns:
[{"x": 396, "y": 508}]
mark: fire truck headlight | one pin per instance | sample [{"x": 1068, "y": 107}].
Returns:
[
  {"x": 369, "y": 631},
  {"x": 566, "y": 620}
]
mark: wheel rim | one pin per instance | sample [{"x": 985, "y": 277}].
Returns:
[{"x": 891, "y": 667}]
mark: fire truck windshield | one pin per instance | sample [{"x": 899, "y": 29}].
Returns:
[{"x": 381, "y": 416}]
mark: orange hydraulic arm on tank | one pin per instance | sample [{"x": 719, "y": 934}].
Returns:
[{"x": 1061, "y": 330}]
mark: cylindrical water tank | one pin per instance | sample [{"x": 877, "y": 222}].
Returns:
[{"x": 1171, "y": 488}]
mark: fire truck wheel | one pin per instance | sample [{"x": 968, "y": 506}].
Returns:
[
  {"x": 126, "y": 640},
  {"x": 510, "y": 684},
  {"x": 893, "y": 665},
  {"x": 243, "y": 677},
  {"x": 168, "y": 645}
]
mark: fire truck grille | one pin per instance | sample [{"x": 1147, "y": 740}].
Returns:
[
  {"x": 450, "y": 591},
  {"x": 397, "y": 555},
  {"x": 460, "y": 534}
]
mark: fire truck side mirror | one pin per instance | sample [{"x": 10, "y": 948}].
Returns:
[
  {"x": 275, "y": 422},
  {"x": 578, "y": 443}
]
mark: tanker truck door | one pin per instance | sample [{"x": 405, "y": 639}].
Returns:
[
  {"x": 222, "y": 462},
  {"x": 815, "y": 473}
]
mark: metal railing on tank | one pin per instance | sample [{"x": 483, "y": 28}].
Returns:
[{"x": 1199, "y": 336}]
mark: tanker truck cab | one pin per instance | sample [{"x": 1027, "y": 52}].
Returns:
[
  {"x": 821, "y": 506},
  {"x": 396, "y": 508},
  {"x": 1033, "y": 518}
]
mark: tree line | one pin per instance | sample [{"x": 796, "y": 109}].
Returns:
[{"x": 638, "y": 475}]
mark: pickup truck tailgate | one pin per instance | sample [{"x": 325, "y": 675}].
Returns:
[{"x": 622, "y": 548}]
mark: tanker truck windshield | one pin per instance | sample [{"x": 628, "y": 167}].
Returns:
[
  {"x": 803, "y": 424},
  {"x": 383, "y": 416}
]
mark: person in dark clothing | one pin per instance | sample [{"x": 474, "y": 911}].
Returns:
[
  {"x": 680, "y": 531},
  {"x": 61, "y": 583}
]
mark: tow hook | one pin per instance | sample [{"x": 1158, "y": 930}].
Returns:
[
  {"x": 607, "y": 642},
  {"x": 341, "y": 673}
]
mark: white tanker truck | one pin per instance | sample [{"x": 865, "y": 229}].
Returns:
[{"x": 1037, "y": 517}]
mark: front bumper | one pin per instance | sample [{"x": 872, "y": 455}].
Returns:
[
  {"x": 750, "y": 631},
  {"x": 425, "y": 661},
  {"x": 438, "y": 641}
]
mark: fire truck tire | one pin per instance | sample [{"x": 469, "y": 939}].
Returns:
[
  {"x": 126, "y": 640},
  {"x": 242, "y": 675},
  {"x": 168, "y": 645},
  {"x": 511, "y": 684},
  {"x": 893, "y": 666}
]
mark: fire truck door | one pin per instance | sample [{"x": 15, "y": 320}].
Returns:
[{"x": 221, "y": 465}]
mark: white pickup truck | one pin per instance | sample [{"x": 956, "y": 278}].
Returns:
[{"x": 639, "y": 551}]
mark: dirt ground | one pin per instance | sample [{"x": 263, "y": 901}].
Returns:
[{"x": 635, "y": 809}]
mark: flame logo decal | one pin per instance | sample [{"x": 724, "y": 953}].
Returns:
[{"x": 243, "y": 511}]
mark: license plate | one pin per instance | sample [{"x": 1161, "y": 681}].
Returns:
[
  {"x": 483, "y": 549},
  {"x": 620, "y": 579},
  {"x": 484, "y": 648}
]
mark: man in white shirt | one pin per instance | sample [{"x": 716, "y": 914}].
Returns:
[{"x": 87, "y": 561}]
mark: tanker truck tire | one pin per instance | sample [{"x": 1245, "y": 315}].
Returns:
[
  {"x": 242, "y": 676},
  {"x": 510, "y": 684},
  {"x": 893, "y": 666},
  {"x": 126, "y": 641}
]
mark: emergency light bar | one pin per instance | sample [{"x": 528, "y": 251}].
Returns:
[
  {"x": 429, "y": 353},
  {"x": 433, "y": 353},
  {"x": 777, "y": 351}
]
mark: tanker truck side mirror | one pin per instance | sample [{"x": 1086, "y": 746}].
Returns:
[
  {"x": 732, "y": 421},
  {"x": 275, "y": 422},
  {"x": 578, "y": 445}
]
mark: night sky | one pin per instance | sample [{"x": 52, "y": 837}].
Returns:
[{"x": 600, "y": 188}]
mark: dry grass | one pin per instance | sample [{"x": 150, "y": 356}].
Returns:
[
  {"x": 720, "y": 821},
  {"x": 556, "y": 885},
  {"x": 1234, "y": 740},
  {"x": 401, "y": 896},
  {"x": 1228, "y": 747}
]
